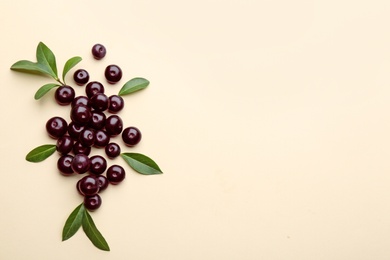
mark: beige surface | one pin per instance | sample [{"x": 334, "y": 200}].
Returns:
[{"x": 270, "y": 120}]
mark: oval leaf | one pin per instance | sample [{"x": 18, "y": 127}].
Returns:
[
  {"x": 133, "y": 85},
  {"x": 93, "y": 233},
  {"x": 40, "y": 153},
  {"x": 73, "y": 223},
  {"x": 44, "y": 89},
  {"x": 69, "y": 65},
  {"x": 27, "y": 66},
  {"x": 141, "y": 163},
  {"x": 46, "y": 58}
]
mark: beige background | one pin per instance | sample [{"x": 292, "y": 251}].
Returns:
[{"x": 270, "y": 120}]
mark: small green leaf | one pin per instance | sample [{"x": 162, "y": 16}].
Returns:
[
  {"x": 40, "y": 153},
  {"x": 46, "y": 58},
  {"x": 44, "y": 89},
  {"x": 27, "y": 66},
  {"x": 69, "y": 65},
  {"x": 133, "y": 85},
  {"x": 73, "y": 223},
  {"x": 93, "y": 233},
  {"x": 141, "y": 163}
]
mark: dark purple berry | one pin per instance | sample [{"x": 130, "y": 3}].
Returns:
[
  {"x": 115, "y": 174},
  {"x": 112, "y": 150},
  {"x": 93, "y": 202},
  {"x": 93, "y": 88},
  {"x": 64, "y": 95},
  {"x": 87, "y": 137},
  {"x": 98, "y": 164},
  {"x": 101, "y": 138},
  {"x": 113, "y": 74},
  {"x": 98, "y": 120},
  {"x": 99, "y": 102},
  {"x": 64, "y": 144},
  {"x": 89, "y": 185},
  {"x": 74, "y": 130},
  {"x": 115, "y": 104},
  {"x": 80, "y": 163},
  {"x": 114, "y": 125},
  {"x": 103, "y": 182},
  {"x": 99, "y": 51},
  {"x": 81, "y": 77},
  {"x": 80, "y": 100},
  {"x": 64, "y": 165},
  {"x": 56, "y": 127},
  {"x": 80, "y": 114},
  {"x": 79, "y": 148},
  {"x": 131, "y": 136}
]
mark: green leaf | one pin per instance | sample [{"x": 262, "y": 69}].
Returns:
[
  {"x": 44, "y": 89},
  {"x": 73, "y": 223},
  {"x": 27, "y": 66},
  {"x": 40, "y": 153},
  {"x": 141, "y": 163},
  {"x": 69, "y": 65},
  {"x": 93, "y": 233},
  {"x": 46, "y": 58},
  {"x": 133, "y": 85}
]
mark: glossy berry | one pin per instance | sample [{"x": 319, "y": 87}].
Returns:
[
  {"x": 64, "y": 144},
  {"x": 131, "y": 136},
  {"x": 98, "y": 120},
  {"x": 115, "y": 104},
  {"x": 112, "y": 150},
  {"x": 80, "y": 114},
  {"x": 93, "y": 202},
  {"x": 115, "y": 174},
  {"x": 87, "y": 137},
  {"x": 99, "y": 102},
  {"x": 80, "y": 163},
  {"x": 113, "y": 74},
  {"x": 64, "y": 165},
  {"x": 99, "y": 51},
  {"x": 98, "y": 164},
  {"x": 56, "y": 127},
  {"x": 74, "y": 130},
  {"x": 101, "y": 138},
  {"x": 64, "y": 95},
  {"x": 79, "y": 148},
  {"x": 81, "y": 77},
  {"x": 114, "y": 125},
  {"x": 80, "y": 100},
  {"x": 88, "y": 185},
  {"x": 103, "y": 182},
  {"x": 93, "y": 88}
]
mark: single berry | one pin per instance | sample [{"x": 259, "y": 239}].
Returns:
[
  {"x": 74, "y": 130},
  {"x": 64, "y": 144},
  {"x": 79, "y": 148},
  {"x": 89, "y": 185},
  {"x": 131, "y": 136},
  {"x": 99, "y": 51},
  {"x": 87, "y": 137},
  {"x": 103, "y": 182},
  {"x": 98, "y": 164},
  {"x": 93, "y": 88},
  {"x": 112, "y": 150},
  {"x": 98, "y": 120},
  {"x": 101, "y": 139},
  {"x": 80, "y": 100},
  {"x": 92, "y": 202},
  {"x": 115, "y": 104},
  {"x": 56, "y": 127},
  {"x": 99, "y": 102},
  {"x": 113, "y": 74},
  {"x": 80, "y": 114},
  {"x": 64, "y": 165},
  {"x": 114, "y": 125},
  {"x": 81, "y": 77},
  {"x": 64, "y": 95},
  {"x": 115, "y": 174},
  {"x": 80, "y": 163}
]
